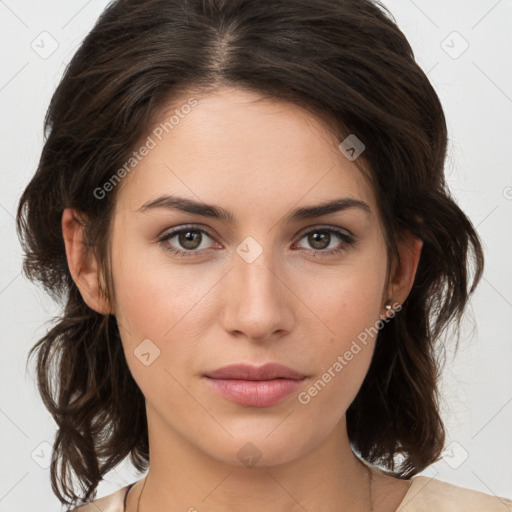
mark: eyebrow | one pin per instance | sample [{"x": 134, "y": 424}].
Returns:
[{"x": 207, "y": 210}]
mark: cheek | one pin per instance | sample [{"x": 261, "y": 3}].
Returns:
[
  {"x": 342, "y": 362},
  {"x": 155, "y": 298},
  {"x": 346, "y": 301},
  {"x": 349, "y": 305},
  {"x": 160, "y": 311}
]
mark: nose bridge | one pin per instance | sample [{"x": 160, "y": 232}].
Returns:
[
  {"x": 257, "y": 303},
  {"x": 257, "y": 273}
]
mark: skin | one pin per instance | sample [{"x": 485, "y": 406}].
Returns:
[{"x": 260, "y": 160}]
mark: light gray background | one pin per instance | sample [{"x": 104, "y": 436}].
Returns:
[{"x": 475, "y": 88}]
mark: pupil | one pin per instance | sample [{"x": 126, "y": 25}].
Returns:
[
  {"x": 319, "y": 240},
  {"x": 188, "y": 239}
]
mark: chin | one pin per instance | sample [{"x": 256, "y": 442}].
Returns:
[{"x": 263, "y": 448}]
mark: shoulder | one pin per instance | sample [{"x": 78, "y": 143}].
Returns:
[
  {"x": 427, "y": 494},
  {"x": 112, "y": 503}
]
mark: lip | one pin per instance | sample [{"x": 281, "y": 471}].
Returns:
[
  {"x": 268, "y": 371},
  {"x": 252, "y": 386}
]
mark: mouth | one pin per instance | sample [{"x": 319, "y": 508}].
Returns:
[
  {"x": 255, "y": 386},
  {"x": 268, "y": 371}
]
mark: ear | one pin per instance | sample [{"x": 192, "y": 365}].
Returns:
[
  {"x": 82, "y": 262},
  {"x": 403, "y": 272}
]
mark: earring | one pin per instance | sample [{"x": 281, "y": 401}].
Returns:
[{"x": 388, "y": 308}]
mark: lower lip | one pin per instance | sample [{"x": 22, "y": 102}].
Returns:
[{"x": 255, "y": 393}]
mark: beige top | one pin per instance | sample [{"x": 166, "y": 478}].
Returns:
[{"x": 424, "y": 495}]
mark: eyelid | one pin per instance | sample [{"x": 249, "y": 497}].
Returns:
[
  {"x": 320, "y": 227},
  {"x": 345, "y": 236},
  {"x": 172, "y": 232},
  {"x": 183, "y": 227}
]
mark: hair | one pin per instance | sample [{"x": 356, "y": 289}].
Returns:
[{"x": 344, "y": 60}]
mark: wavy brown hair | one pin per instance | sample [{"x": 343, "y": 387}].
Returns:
[{"x": 344, "y": 60}]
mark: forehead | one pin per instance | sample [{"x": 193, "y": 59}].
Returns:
[{"x": 238, "y": 147}]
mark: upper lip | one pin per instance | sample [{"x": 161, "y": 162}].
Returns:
[{"x": 268, "y": 371}]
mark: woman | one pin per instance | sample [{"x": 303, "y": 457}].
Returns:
[{"x": 243, "y": 206}]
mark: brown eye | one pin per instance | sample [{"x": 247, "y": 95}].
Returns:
[
  {"x": 186, "y": 241},
  {"x": 190, "y": 239},
  {"x": 327, "y": 240},
  {"x": 319, "y": 240}
]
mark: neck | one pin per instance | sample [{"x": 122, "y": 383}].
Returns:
[{"x": 182, "y": 477}]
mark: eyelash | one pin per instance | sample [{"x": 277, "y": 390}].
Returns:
[{"x": 346, "y": 238}]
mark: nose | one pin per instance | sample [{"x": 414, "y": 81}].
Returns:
[{"x": 258, "y": 302}]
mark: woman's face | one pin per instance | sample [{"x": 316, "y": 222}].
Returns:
[{"x": 261, "y": 283}]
